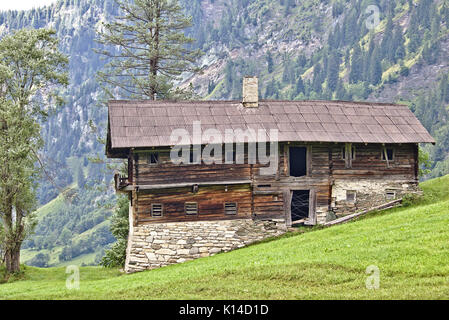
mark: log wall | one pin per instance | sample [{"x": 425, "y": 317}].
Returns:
[{"x": 268, "y": 197}]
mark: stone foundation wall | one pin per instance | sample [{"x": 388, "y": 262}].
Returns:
[
  {"x": 153, "y": 246},
  {"x": 369, "y": 193}
]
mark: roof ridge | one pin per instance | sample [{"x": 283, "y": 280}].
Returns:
[{"x": 158, "y": 102}]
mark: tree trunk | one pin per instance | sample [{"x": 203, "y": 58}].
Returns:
[{"x": 12, "y": 259}]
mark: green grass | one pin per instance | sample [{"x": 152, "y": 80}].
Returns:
[{"x": 409, "y": 245}]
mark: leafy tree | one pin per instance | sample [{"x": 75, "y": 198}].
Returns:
[
  {"x": 424, "y": 162},
  {"x": 40, "y": 260},
  {"x": 31, "y": 67},
  {"x": 115, "y": 257},
  {"x": 153, "y": 50},
  {"x": 66, "y": 236}
]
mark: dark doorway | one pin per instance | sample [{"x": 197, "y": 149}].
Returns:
[
  {"x": 298, "y": 161},
  {"x": 300, "y": 205}
]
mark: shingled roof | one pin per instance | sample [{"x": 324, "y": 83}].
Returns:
[{"x": 140, "y": 124}]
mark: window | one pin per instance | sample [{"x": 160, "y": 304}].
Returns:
[
  {"x": 156, "y": 210},
  {"x": 351, "y": 196},
  {"x": 151, "y": 158},
  {"x": 298, "y": 161},
  {"x": 389, "y": 152},
  {"x": 390, "y": 194},
  {"x": 230, "y": 208},
  {"x": 191, "y": 208}
]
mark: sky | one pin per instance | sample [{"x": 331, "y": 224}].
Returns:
[{"x": 23, "y": 4}]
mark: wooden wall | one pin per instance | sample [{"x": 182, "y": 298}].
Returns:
[
  {"x": 268, "y": 196},
  {"x": 167, "y": 173},
  {"x": 368, "y": 162},
  {"x": 210, "y": 203}
]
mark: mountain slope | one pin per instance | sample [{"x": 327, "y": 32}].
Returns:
[{"x": 408, "y": 246}]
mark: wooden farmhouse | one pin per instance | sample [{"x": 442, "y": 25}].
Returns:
[{"x": 327, "y": 159}]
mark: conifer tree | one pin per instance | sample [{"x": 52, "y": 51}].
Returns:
[
  {"x": 398, "y": 44},
  {"x": 356, "y": 72},
  {"x": 153, "y": 50},
  {"x": 375, "y": 72},
  {"x": 387, "y": 41},
  {"x": 317, "y": 85},
  {"x": 333, "y": 69},
  {"x": 300, "y": 86},
  {"x": 269, "y": 62}
]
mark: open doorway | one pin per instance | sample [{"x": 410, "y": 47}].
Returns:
[
  {"x": 300, "y": 206},
  {"x": 298, "y": 161}
]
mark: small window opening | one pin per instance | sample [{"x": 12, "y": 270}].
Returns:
[
  {"x": 156, "y": 210},
  {"x": 390, "y": 194},
  {"x": 298, "y": 161},
  {"x": 191, "y": 208},
  {"x": 152, "y": 158},
  {"x": 351, "y": 196},
  {"x": 389, "y": 153},
  {"x": 230, "y": 208}
]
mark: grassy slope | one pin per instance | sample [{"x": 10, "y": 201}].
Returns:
[{"x": 409, "y": 245}]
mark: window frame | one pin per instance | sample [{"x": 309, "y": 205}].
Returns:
[
  {"x": 147, "y": 157},
  {"x": 308, "y": 159},
  {"x": 152, "y": 210},
  {"x": 355, "y": 196},
  {"x": 393, "y": 154},
  {"x": 190, "y": 203},
  {"x": 392, "y": 192},
  {"x": 236, "y": 208}
]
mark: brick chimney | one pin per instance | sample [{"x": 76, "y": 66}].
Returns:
[{"x": 250, "y": 92}]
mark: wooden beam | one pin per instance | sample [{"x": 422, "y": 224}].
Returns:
[
  {"x": 181, "y": 185},
  {"x": 358, "y": 214}
]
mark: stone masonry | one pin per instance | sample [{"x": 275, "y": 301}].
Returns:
[
  {"x": 152, "y": 246},
  {"x": 369, "y": 193}
]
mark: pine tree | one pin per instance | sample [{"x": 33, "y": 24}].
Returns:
[
  {"x": 81, "y": 180},
  {"x": 333, "y": 70},
  {"x": 398, "y": 44},
  {"x": 317, "y": 85},
  {"x": 414, "y": 33},
  {"x": 375, "y": 68},
  {"x": 356, "y": 72},
  {"x": 299, "y": 86},
  {"x": 153, "y": 50},
  {"x": 269, "y": 62},
  {"x": 387, "y": 41}
]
